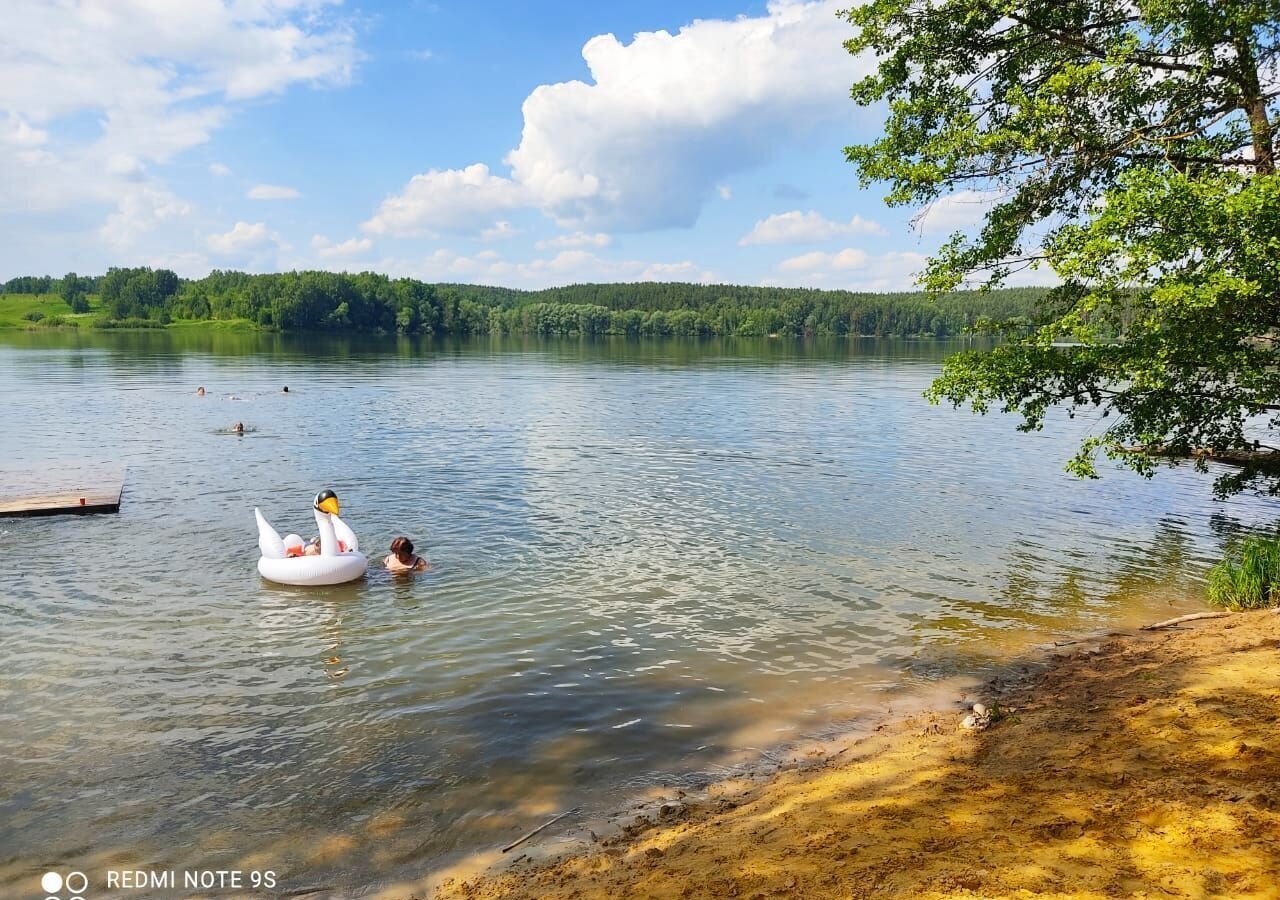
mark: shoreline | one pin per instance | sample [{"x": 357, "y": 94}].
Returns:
[{"x": 1125, "y": 761}]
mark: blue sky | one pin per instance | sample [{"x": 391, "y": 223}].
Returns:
[{"x": 501, "y": 143}]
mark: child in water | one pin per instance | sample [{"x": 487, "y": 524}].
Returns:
[{"x": 401, "y": 560}]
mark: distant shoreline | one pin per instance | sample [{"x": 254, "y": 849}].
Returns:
[{"x": 371, "y": 303}]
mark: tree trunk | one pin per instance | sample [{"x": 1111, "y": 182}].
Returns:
[{"x": 1255, "y": 107}]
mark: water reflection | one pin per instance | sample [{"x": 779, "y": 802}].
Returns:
[{"x": 649, "y": 556}]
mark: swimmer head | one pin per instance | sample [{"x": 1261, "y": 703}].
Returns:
[{"x": 327, "y": 501}]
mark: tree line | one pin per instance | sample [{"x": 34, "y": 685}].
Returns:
[{"x": 369, "y": 302}]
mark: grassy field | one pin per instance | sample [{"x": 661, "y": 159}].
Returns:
[
  {"x": 45, "y": 310},
  {"x": 15, "y": 309}
]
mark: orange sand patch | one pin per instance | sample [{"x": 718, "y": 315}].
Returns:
[{"x": 1148, "y": 766}]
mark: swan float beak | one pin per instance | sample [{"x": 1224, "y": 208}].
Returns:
[{"x": 327, "y": 502}]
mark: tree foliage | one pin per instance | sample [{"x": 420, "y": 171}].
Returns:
[
  {"x": 1131, "y": 148},
  {"x": 74, "y": 290},
  {"x": 138, "y": 293}
]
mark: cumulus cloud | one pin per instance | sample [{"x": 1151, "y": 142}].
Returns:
[
  {"x": 725, "y": 192},
  {"x": 186, "y": 263},
  {"x": 666, "y": 116},
  {"x": 348, "y": 248},
  {"x": 577, "y": 239},
  {"x": 449, "y": 201},
  {"x": 17, "y": 132},
  {"x": 139, "y": 55},
  {"x": 156, "y": 79},
  {"x": 798, "y": 227},
  {"x": 661, "y": 122},
  {"x": 853, "y": 269},
  {"x": 272, "y": 192},
  {"x": 243, "y": 238},
  {"x": 142, "y": 208},
  {"x": 219, "y": 169}
]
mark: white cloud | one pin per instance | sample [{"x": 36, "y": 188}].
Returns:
[
  {"x": 666, "y": 117},
  {"x": 272, "y": 192},
  {"x": 141, "y": 209},
  {"x": 449, "y": 201},
  {"x": 219, "y": 169},
  {"x": 17, "y": 132},
  {"x": 853, "y": 269},
  {"x": 956, "y": 212},
  {"x": 680, "y": 271},
  {"x": 660, "y": 124},
  {"x": 186, "y": 263},
  {"x": 725, "y": 192},
  {"x": 577, "y": 239},
  {"x": 348, "y": 248},
  {"x": 144, "y": 56},
  {"x": 499, "y": 231},
  {"x": 798, "y": 227},
  {"x": 423, "y": 55},
  {"x": 241, "y": 239},
  {"x": 155, "y": 79}
]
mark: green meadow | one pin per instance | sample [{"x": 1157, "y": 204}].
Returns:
[{"x": 44, "y": 310}]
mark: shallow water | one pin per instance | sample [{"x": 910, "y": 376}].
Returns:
[{"x": 648, "y": 555}]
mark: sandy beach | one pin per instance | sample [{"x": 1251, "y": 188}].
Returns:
[{"x": 1142, "y": 764}]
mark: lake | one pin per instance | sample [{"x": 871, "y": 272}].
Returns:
[{"x": 649, "y": 557}]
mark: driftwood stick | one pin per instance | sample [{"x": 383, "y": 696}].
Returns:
[
  {"x": 1188, "y": 618},
  {"x": 514, "y": 844}
]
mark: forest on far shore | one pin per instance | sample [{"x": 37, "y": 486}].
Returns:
[{"x": 371, "y": 303}]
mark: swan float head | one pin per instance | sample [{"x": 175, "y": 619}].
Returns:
[{"x": 327, "y": 501}]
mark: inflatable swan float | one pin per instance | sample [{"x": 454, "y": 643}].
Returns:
[{"x": 340, "y": 558}]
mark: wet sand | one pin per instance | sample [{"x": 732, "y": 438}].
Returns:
[{"x": 1136, "y": 765}]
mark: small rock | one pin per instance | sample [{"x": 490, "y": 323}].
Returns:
[
  {"x": 969, "y": 722},
  {"x": 980, "y": 710}
]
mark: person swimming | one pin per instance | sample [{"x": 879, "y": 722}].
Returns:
[
  {"x": 239, "y": 428},
  {"x": 402, "y": 561},
  {"x": 286, "y": 389},
  {"x": 200, "y": 391}
]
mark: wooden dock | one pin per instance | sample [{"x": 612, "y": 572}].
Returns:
[{"x": 100, "y": 494}]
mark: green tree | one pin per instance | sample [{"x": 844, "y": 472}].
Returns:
[
  {"x": 72, "y": 291},
  {"x": 1128, "y": 146}
]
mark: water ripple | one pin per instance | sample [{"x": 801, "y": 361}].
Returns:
[{"x": 643, "y": 552}]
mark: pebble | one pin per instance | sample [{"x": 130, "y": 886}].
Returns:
[
  {"x": 969, "y": 722},
  {"x": 979, "y": 709}
]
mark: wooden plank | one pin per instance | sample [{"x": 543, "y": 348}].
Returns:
[{"x": 102, "y": 497}]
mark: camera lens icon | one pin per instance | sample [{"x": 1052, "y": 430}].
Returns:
[{"x": 76, "y": 883}]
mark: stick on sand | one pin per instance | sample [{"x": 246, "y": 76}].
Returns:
[
  {"x": 1180, "y": 619},
  {"x": 568, "y": 812}
]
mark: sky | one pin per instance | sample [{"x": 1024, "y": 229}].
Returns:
[{"x": 517, "y": 144}]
